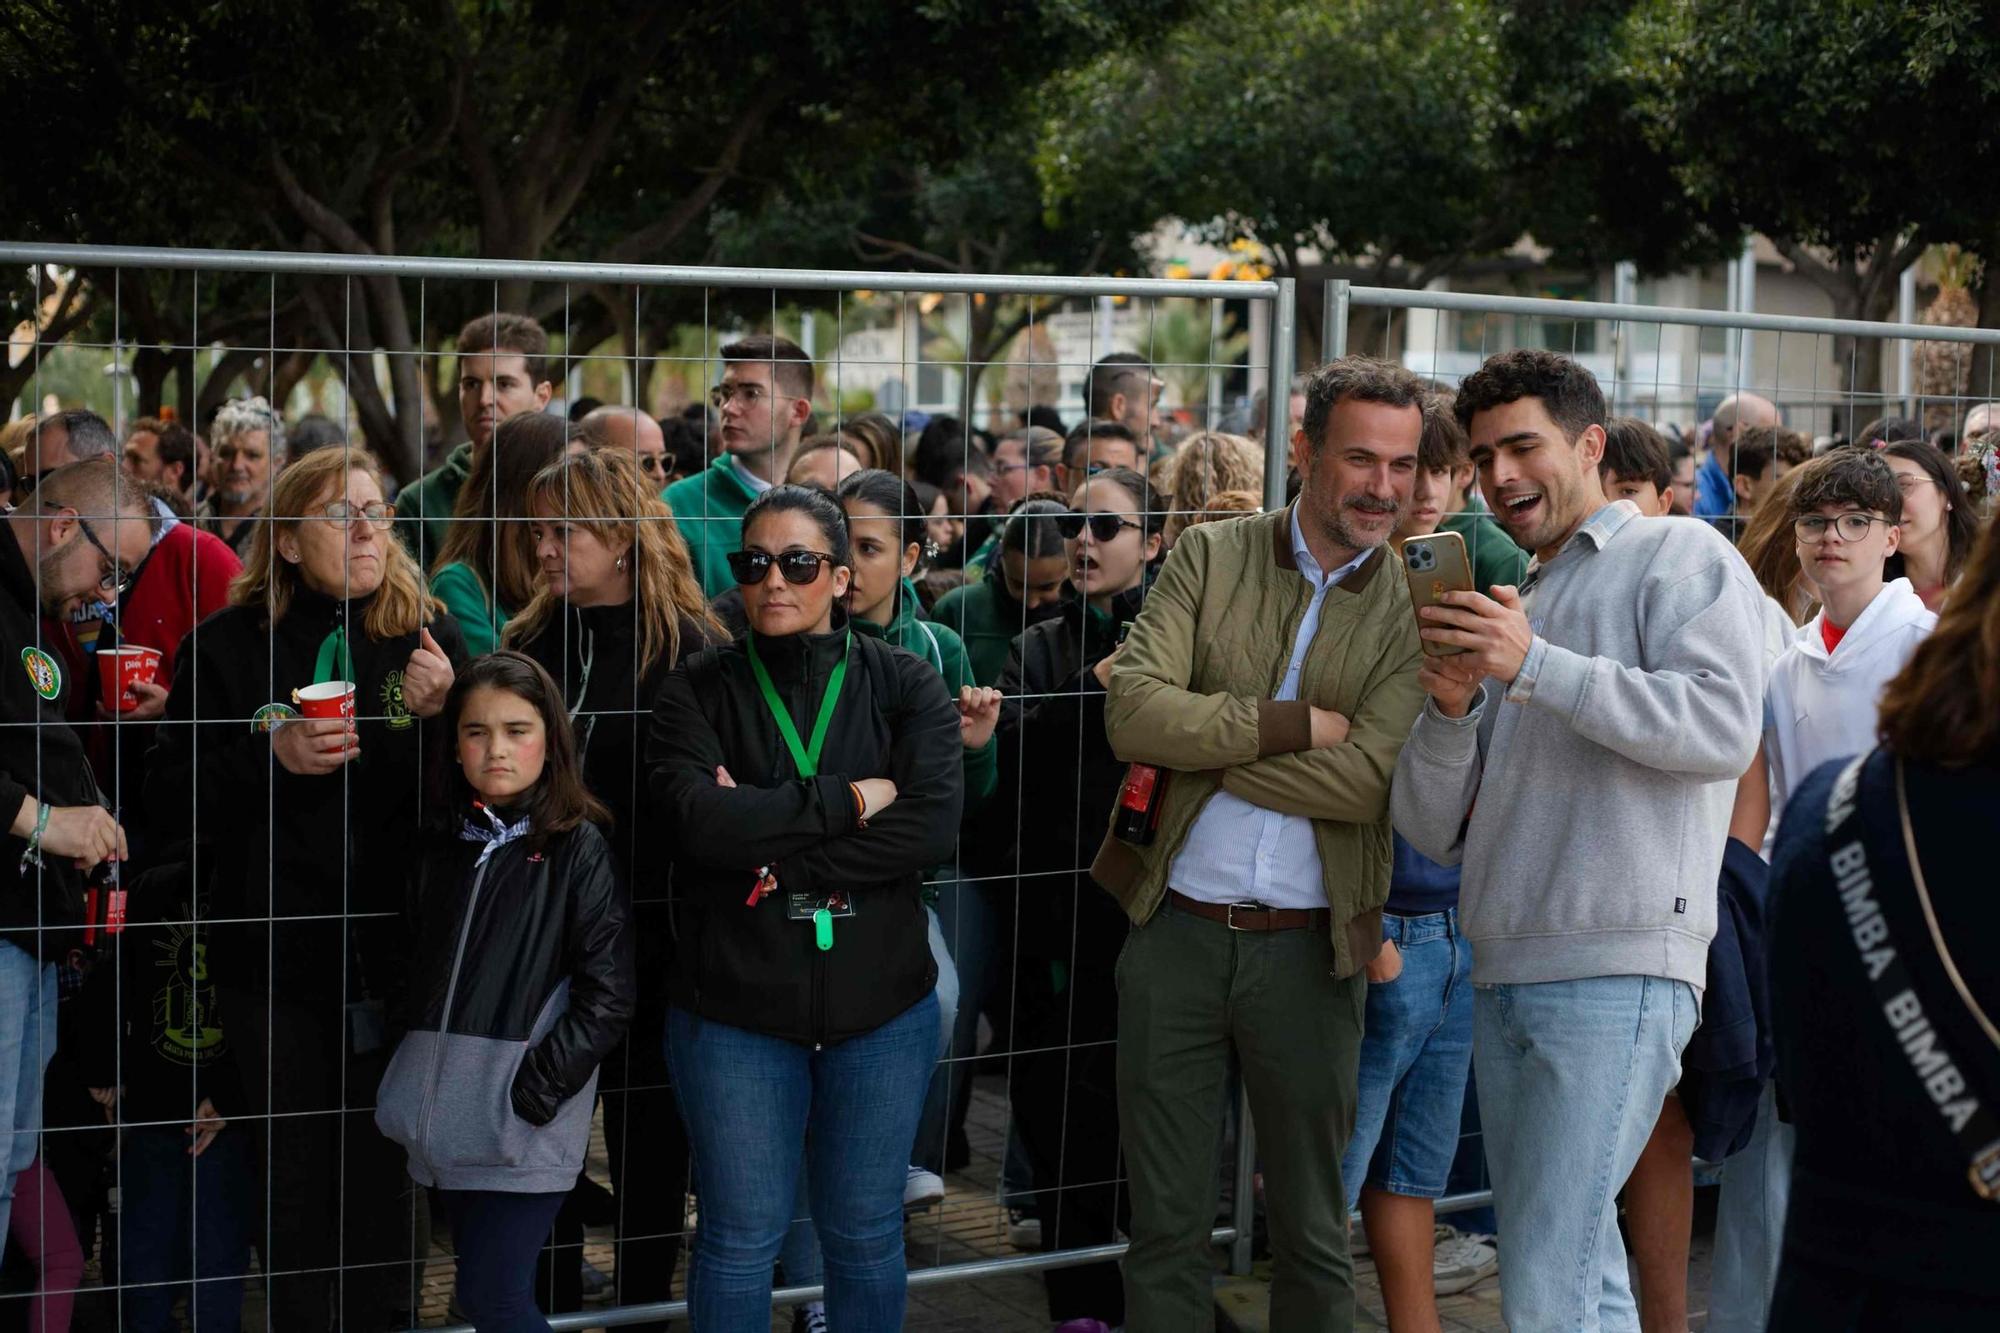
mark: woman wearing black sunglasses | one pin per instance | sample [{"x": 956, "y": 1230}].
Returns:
[
  {"x": 810, "y": 776},
  {"x": 1057, "y": 784}
]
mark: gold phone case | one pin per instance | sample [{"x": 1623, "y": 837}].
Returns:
[{"x": 1436, "y": 565}]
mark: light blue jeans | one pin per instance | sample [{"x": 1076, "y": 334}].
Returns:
[
  {"x": 1750, "y": 1224},
  {"x": 27, "y": 1040},
  {"x": 749, "y": 1102},
  {"x": 1571, "y": 1077}
]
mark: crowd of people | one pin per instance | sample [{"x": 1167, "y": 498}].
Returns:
[{"x": 741, "y": 780}]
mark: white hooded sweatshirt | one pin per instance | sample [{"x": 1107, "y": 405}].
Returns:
[{"x": 1822, "y": 705}]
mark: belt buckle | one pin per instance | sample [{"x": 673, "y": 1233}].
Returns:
[{"x": 1230, "y": 919}]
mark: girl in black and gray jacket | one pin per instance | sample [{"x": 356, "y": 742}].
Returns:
[{"x": 521, "y": 983}]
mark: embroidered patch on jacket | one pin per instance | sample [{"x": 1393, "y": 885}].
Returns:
[
  {"x": 272, "y": 716},
  {"x": 44, "y": 673},
  {"x": 395, "y": 712}
]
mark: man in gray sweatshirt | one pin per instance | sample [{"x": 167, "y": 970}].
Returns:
[{"x": 1616, "y": 693}]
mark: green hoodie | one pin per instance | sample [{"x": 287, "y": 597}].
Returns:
[
  {"x": 425, "y": 506},
  {"x": 943, "y": 649},
  {"x": 1495, "y": 558},
  {"x": 709, "y": 508},
  {"x": 477, "y": 614},
  {"x": 987, "y": 619}
]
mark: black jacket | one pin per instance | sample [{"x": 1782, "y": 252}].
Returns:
[
  {"x": 1728, "y": 1059},
  {"x": 539, "y": 919},
  {"x": 593, "y": 654},
  {"x": 1058, "y": 781},
  {"x": 151, "y": 1013},
  {"x": 272, "y": 843},
  {"x": 1874, "y": 1161},
  {"x": 751, "y": 967},
  {"x": 39, "y": 756},
  {"x": 521, "y": 983},
  {"x": 613, "y": 706}
]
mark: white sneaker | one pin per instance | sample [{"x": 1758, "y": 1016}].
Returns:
[
  {"x": 809, "y": 1318},
  {"x": 1024, "y": 1229},
  {"x": 922, "y": 1189},
  {"x": 1461, "y": 1262}
]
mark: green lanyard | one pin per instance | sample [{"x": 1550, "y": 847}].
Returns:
[
  {"x": 806, "y": 757},
  {"x": 333, "y": 655}
]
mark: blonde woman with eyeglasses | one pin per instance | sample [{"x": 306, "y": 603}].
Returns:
[{"x": 302, "y": 825}]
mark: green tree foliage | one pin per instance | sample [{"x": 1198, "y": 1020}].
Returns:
[{"x": 486, "y": 127}]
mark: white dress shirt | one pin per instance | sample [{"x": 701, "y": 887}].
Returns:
[{"x": 1238, "y": 852}]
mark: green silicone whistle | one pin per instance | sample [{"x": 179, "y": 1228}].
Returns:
[{"x": 823, "y": 929}]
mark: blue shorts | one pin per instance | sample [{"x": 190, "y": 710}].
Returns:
[{"x": 1415, "y": 1050}]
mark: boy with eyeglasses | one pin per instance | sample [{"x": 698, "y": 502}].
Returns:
[
  {"x": 763, "y": 402},
  {"x": 1820, "y": 705}
]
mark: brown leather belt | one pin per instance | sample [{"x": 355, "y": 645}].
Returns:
[{"x": 1253, "y": 916}]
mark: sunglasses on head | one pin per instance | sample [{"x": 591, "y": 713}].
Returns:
[
  {"x": 752, "y": 567},
  {"x": 1103, "y": 527}
]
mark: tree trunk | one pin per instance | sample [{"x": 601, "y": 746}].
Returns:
[
  {"x": 215, "y": 390},
  {"x": 1983, "y": 379},
  {"x": 150, "y": 368}
]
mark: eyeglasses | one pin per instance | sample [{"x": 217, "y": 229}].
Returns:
[
  {"x": 1852, "y": 527},
  {"x": 653, "y": 465},
  {"x": 1103, "y": 527},
  {"x": 750, "y": 568},
  {"x": 1907, "y": 483},
  {"x": 376, "y": 514},
  {"x": 750, "y": 395},
  {"x": 114, "y": 580}
]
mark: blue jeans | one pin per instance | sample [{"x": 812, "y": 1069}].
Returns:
[
  {"x": 183, "y": 1217},
  {"x": 967, "y": 923},
  {"x": 1416, "y": 1048},
  {"x": 27, "y": 1040},
  {"x": 1571, "y": 1077},
  {"x": 496, "y": 1236},
  {"x": 1750, "y": 1224},
  {"x": 749, "y": 1102}
]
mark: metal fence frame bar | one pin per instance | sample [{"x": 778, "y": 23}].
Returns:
[
  {"x": 619, "y": 1316},
  {"x": 644, "y": 275},
  {"x": 1396, "y": 298},
  {"x": 1284, "y": 317}
]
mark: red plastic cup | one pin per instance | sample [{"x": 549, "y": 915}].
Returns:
[
  {"x": 119, "y": 669},
  {"x": 328, "y": 699}
]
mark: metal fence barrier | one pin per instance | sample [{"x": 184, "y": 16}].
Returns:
[{"x": 1115, "y": 314}]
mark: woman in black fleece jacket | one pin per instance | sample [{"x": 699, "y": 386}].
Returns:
[
  {"x": 301, "y": 837},
  {"x": 619, "y": 608},
  {"x": 810, "y": 777}
]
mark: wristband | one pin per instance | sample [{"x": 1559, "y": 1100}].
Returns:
[{"x": 33, "y": 855}]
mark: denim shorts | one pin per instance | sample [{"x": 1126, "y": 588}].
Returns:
[{"x": 1415, "y": 1050}]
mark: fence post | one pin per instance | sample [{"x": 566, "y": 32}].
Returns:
[
  {"x": 1242, "y": 1203},
  {"x": 1333, "y": 337},
  {"x": 1278, "y": 395}
]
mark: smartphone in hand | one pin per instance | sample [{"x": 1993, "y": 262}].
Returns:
[{"x": 1435, "y": 565}]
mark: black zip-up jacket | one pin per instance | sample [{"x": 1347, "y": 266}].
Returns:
[
  {"x": 39, "y": 756},
  {"x": 521, "y": 982},
  {"x": 751, "y": 967},
  {"x": 272, "y": 843},
  {"x": 151, "y": 1013},
  {"x": 1058, "y": 778},
  {"x": 613, "y": 706}
]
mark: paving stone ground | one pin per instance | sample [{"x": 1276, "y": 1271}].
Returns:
[{"x": 971, "y": 1225}]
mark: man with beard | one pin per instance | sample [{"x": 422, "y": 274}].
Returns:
[
  {"x": 1622, "y": 682},
  {"x": 247, "y": 440},
  {"x": 76, "y": 539},
  {"x": 1271, "y": 679}
]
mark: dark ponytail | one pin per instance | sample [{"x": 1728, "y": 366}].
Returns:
[
  {"x": 815, "y": 503},
  {"x": 1031, "y": 529},
  {"x": 890, "y": 495}
]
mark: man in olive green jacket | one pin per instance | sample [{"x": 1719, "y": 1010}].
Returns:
[{"x": 1272, "y": 676}]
